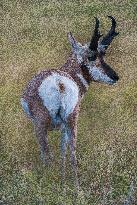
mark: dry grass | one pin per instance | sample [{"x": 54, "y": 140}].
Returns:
[{"x": 33, "y": 39}]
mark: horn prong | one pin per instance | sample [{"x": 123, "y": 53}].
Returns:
[
  {"x": 106, "y": 41},
  {"x": 113, "y": 20}
]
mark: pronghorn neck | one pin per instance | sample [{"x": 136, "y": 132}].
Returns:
[
  {"x": 83, "y": 79},
  {"x": 86, "y": 74},
  {"x": 80, "y": 73},
  {"x": 70, "y": 64}
]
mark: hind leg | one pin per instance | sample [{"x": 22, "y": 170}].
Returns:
[
  {"x": 72, "y": 143},
  {"x": 41, "y": 134},
  {"x": 64, "y": 144},
  {"x": 41, "y": 121},
  {"x": 69, "y": 138},
  {"x": 69, "y": 134}
]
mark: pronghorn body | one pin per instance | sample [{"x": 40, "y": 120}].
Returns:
[
  {"x": 57, "y": 92},
  {"x": 52, "y": 98}
]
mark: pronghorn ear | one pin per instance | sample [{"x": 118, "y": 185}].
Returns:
[{"x": 74, "y": 44}]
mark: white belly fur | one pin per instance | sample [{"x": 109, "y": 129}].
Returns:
[{"x": 56, "y": 101}]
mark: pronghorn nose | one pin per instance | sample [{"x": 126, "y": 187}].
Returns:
[
  {"x": 114, "y": 76},
  {"x": 117, "y": 78},
  {"x": 110, "y": 72}
]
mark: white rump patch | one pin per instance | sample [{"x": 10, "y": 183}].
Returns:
[{"x": 57, "y": 101}]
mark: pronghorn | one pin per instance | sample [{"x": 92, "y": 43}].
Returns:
[{"x": 52, "y": 98}]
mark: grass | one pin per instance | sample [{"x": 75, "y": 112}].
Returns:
[{"x": 34, "y": 38}]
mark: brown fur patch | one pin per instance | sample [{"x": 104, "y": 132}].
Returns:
[
  {"x": 85, "y": 73},
  {"x": 61, "y": 87},
  {"x": 98, "y": 63}
]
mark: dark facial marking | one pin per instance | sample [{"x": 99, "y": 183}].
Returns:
[
  {"x": 85, "y": 72},
  {"x": 110, "y": 72},
  {"x": 92, "y": 55}
]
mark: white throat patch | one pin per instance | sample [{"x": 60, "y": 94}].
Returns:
[{"x": 83, "y": 81}]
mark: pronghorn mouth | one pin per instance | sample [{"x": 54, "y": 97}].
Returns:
[{"x": 113, "y": 82}]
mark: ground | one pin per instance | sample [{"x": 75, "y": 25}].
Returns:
[{"x": 34, "y": 37}]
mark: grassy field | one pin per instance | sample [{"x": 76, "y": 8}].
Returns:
[{"x": 34, "y": 38}]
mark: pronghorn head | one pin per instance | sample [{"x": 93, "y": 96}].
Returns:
[{"x": 91, "y": 56}]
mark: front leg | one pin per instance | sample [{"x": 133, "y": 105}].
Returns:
[
  {"x": 72, "y": 146},
  {"x": 64, "y": 143}
]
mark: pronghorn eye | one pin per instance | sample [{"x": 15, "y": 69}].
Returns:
[
  {"x": 92, "y": 58},
  {"x": 92, "y": 55}
]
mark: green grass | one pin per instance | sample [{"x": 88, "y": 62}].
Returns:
[{"x": 34, "y": 38}]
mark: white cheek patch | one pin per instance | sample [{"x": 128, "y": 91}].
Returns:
[
  {"x": 56, "y": 101},
  {"x": 101, "y": 48},
  {"x": 98, "y": 75}
]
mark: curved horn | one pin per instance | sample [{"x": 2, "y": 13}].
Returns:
[
  {"x": 106, "y": 41},
  {"x": 112, "y": 30}
]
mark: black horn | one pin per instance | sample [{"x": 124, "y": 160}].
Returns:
[
  {"x": 106, "y": 41},
  {"x": 95, "y": 38}
]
